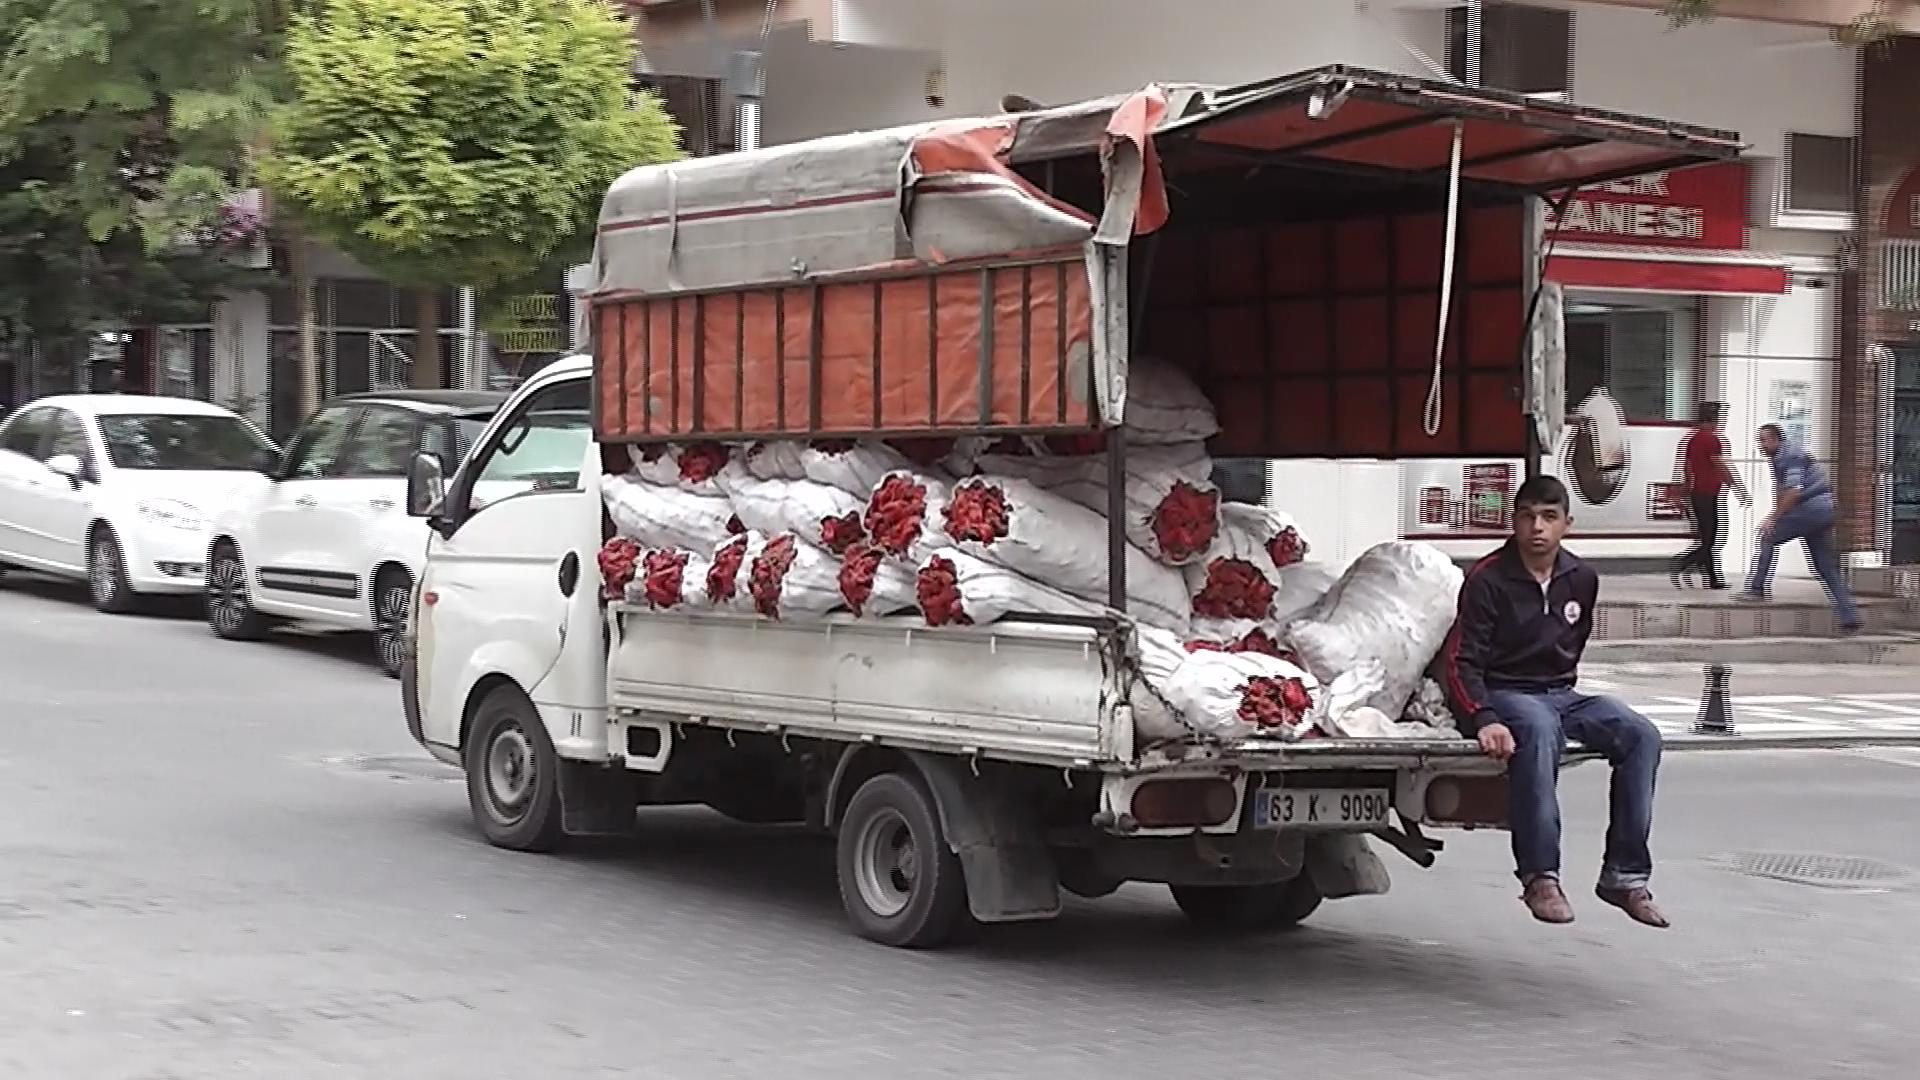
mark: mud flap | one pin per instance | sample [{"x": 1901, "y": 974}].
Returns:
[
  {"x": 1010, "y": 873},
  {"x": 1344, "y": 864},
  {"x": 597, "y": 800}
]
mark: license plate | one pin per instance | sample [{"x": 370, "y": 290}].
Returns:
[{"x": 1322, "y": 808}]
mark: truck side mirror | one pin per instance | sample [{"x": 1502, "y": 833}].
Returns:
[{"x": 426, "y": 486}]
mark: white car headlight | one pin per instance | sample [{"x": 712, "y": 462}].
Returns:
[{"x": 171, "y": 512}]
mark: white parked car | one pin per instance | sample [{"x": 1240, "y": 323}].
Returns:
[
  {"x": 325, "y": 539},
  {"x": 116, "y": 489}
]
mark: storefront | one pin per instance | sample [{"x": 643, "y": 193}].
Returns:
[{"x": 1661, "y": 300}]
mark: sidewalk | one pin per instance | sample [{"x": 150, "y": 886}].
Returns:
[{"x": 1643, "y": 618}]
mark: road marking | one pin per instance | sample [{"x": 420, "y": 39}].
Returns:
[{"x": 1839, "y": 710}]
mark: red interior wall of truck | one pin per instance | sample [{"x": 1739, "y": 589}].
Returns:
[{"x": 1316, "y": 339}]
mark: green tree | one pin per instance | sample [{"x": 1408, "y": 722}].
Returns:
[
  {"x": 1878, "y": 22},
  {"x": 123, "y": 126},
  {"x": 458, "y": 142}
]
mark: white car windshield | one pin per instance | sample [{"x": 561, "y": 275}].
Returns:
[{"x": 186, "y": 442}]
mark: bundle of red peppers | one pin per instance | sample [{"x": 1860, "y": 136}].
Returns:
[
  {"x": 1186, "y": 521},
  {"x": 1275, "y": 703},
  {"x": 896, "y": 512},
  {"x": 938, "y": 589},
  {"x": 977, "y": 512},
  {"x": 723, "y": 576},
  {"x": 857, "y": 569},
  {"x": 665, "y": 571},
  {"x": 618, "y": 558},
  {"x": 769, "y": 575},
  {"x": 1234, "y": 589},
  {"x": 840, "y": 534},
  {"x": 1287, "y": 548}
]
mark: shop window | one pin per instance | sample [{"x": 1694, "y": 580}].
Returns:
[
  {"x": 1524, "y": 49},
  {"x": 1819, "y": 174},
  {"x": 1643, "y": 354}
]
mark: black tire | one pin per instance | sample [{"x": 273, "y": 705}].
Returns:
[
  {"x": 513, "y": 775},
  {"x": 391, "y": 599},
  {"x": 1244, "y": 908},
  {"x": 900, "y": 881},
  {"x": 107, "y": 574},
  {"x": 229, "y": 601}
]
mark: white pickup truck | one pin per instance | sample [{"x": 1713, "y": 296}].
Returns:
[{"x": 967, "y": 279}]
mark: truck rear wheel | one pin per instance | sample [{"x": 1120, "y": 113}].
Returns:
[
  {"x": 899, "y": 880},
  {"x": 1239, "y": 908},
  {"x": 513, "y": 775}
]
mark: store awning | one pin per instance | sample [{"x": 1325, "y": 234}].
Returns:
[{"x": 1667, "y": 270}]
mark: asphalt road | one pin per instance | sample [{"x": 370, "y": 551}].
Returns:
[{"x": 226, "y": 861}]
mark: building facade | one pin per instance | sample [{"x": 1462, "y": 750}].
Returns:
[{"x": 1728, "y": 284}]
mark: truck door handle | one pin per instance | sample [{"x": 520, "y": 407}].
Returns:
[
  {"x": 306, "y": 501},
  {"x": 569, "y": 573}
]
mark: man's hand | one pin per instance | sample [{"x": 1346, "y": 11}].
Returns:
[
  {"x": 1496, "y": 742},
  {"x": 1766, "y": 527}
]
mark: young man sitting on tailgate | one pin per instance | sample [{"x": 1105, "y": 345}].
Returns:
[{"x": 1510, "y": 665}]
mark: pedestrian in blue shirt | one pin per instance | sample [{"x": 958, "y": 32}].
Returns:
[{"x": 1803, "y": 509}]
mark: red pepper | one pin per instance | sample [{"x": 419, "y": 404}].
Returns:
[
  {"x": 723, "y": 576},
  {"x": 1206, "y": 646},
  {"x": 896, "y": 513},
  {"x": 735, "y": 526},
  {"x": 769, "y": 575},
  {"x": 1259, "y": 641},
  {"x": 702, "y": 461},
  {"x": 839, "y": 534},
  {"x": 665, "y": 571},
  {"x": 1287, "y": 548},
  {"x": 1186, "y": 521},
  {"x": 977, "y": 512},
  {"x": 1235, "y": 589},
  {"x": 938, "y": 588},
  {"x": 1268, "y": 702},
  {"x": 857, "y": 569},
  {"x": 618, "y": 557}
]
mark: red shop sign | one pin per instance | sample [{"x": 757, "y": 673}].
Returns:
[{"x": 1702, "y": 207}]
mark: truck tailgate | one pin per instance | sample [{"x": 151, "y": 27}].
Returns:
[{"x": 1023, "y": 692}]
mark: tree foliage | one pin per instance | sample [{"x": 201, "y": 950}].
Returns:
[
  {"x": 459, "y": 142},
  {"x": 123, "y": 125},
  {"x": 1878, "y": 22}
]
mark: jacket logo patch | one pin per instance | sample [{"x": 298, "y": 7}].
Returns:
[{"x": 1572, "y": 612}]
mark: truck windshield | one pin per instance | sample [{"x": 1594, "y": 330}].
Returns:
[{"x": 543, "y": 447}]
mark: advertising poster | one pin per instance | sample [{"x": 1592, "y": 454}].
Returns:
[{"x": 1620, "y": 478}]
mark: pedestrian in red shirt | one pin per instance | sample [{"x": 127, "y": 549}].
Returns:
[{"x": 1704, "y": 477}]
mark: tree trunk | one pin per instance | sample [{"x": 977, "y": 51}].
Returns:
[
  {"x": 429, "y": 371},
  {"x": 307, "y": 358}
]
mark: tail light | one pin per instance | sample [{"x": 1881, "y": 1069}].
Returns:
[
  {"x": 1162, "y": 804},
  {"x": 1468, "y": 800}
]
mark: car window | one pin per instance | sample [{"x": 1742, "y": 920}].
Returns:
[
  {"x": 383, "y": 444},
  {"x": 22, "y": 433},
  {"x": 317, "y": 450},
  {"x": 541, "y": 449},
  {"x": 188, "y": 442}
]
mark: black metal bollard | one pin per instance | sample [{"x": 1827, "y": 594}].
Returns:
[{"x": 1716, "y": 705}]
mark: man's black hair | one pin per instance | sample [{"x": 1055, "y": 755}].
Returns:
[
  {"x": 1542, "y": 491},
  {"x": 1709, "y": 412},
  {"x": 1773, "y": 430}
]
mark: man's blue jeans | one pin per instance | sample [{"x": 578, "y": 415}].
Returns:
[
  {"x": 1542, "y": 723},
  {"x": 1813, "y": 522}
]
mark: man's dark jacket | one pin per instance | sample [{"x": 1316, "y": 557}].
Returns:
[{"x": 1510, "y": 634}]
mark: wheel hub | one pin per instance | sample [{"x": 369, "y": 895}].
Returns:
[
  {"x": 887, "y": 863},
  {"x": 510, "y": 773}
]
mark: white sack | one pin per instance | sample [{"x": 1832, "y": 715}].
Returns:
[
  {"x": 852, "y": 467},
  {"x": 1302, "y": 585},
  {"x": 1154, "y": 474},
  {"x": 1164, "y": 405},
  {"x": 818, "y": 513},
  {"x": 1053, "y": 540},
  {"x": 1429, "y": 706},
  {"x": 875, "y": 586},
  {"x": 694, "y": 467},
  {"x": 791, "y": 578},
  {"x": 955, "y": 588},
  {"x": 1394, "y": 605},
  {"x": 1218, "y": 693},
  {"x": 1155, "y": 718},
  {"x": 656, "y": 516},
  {"x": 1238, "y": 577}
]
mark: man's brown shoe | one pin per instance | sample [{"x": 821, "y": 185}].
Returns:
[
  {"x": 1637, "y": 903},
  {"x": 1548, "y": 903}
]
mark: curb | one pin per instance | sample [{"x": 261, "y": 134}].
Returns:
[{"x": 1865, "y": 649}]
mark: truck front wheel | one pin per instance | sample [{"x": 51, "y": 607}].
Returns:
[
  {"x": 899, "y": 880},
  {"x": 513, "y": 775},
  {"x": 1240, "y": 908}
]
